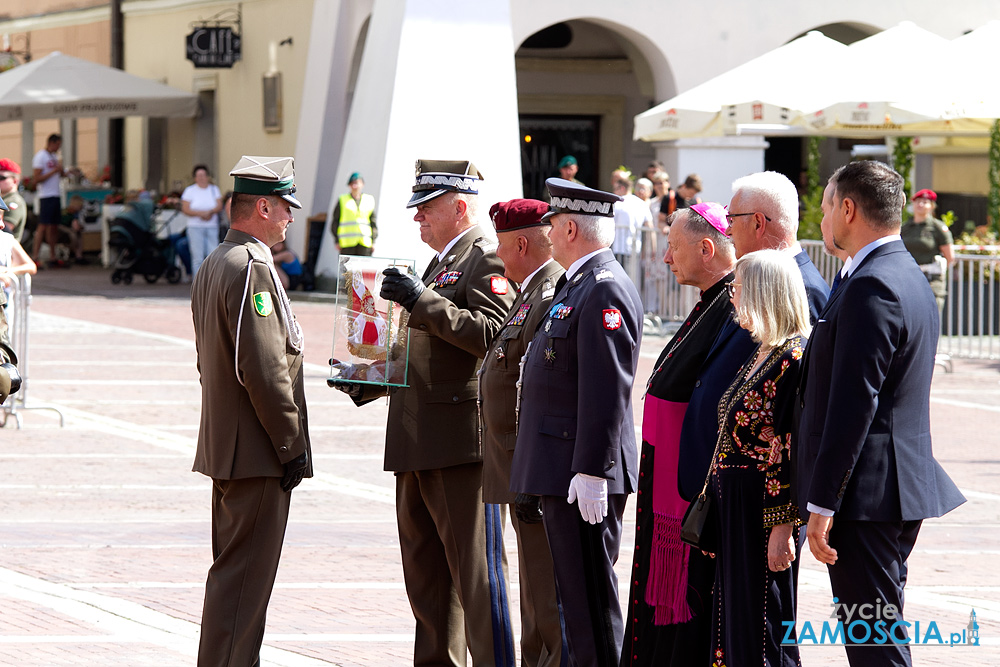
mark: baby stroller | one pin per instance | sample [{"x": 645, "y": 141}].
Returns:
[{"x": 135, "y": 236}]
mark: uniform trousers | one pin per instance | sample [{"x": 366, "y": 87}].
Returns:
[
  {"x": 871, "y": 565},
  {"x": 542, "y": 641},
  {"x": 443, "y": 539},
  {"x": 583, "y": 558},
  {"x": 248, "y": 527}
]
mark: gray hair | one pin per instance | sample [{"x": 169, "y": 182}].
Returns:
[
  {"x": 773, "y": 304},
  {"x": 596, "y": 229},
  {"x": 773, "y": 195},
  {"x": 471, "y": 205},
  {"x": 702, "y": 228}
]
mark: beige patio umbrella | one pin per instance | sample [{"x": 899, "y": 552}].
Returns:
[
  {"x": 877, "y": 90},
  {"x": 61, "y": 86},
  {"x": 766, "y": 92}
]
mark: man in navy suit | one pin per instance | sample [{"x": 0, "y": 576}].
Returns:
[
  {"x": 763, "y": 214},
  {"x": 866, "y": 473},
  {"x": 576, "y": 438}
]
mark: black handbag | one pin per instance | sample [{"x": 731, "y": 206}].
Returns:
[{"x": 700, "y": 525}]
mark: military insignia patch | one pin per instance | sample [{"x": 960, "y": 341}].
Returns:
[
  {"x": 603, "y": 274},
  {"x": 446, "y": 278},
  {"x": 498, "y": 284},
  {"x": 548, "y": 326},
  {"x": 560, "y": 311},
  {"x": 550, "y": 355},
  {"x": 501, "y": 354},
  {"x": 612, "y": 319},
  {"x": 520, "y": 315},
  {"x": 262, "y": 303}
]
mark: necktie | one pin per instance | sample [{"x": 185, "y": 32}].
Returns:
[
  {"x": 560, "y": 283},
  {"x": 837, "y": 279},
  {"x": 430, "y": 267}
]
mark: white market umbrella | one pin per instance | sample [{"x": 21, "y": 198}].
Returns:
[
  {"x": 61, "y": 86},
  {"x": 967, "y": 86},
  {"x": 770, "y": 90},
  {"x": 878, "y": 92}
]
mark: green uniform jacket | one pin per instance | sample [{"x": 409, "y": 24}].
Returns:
[
  {"x": 433, "y": 423},
  {"x": 250, "y": 429},
  {"x": 15, "y": 218},
  {"x": 498, "y": 380}
]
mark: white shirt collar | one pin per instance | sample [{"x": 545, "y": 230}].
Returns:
[
  {"x": 451, "y": 244},
  {"x": 575, "y": 266},
  {"x": 531, "y": 275},
  {"x": 793, "y": 249},
  {"x": 864, "y": 252}
]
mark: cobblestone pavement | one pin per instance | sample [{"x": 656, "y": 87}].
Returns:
[{"x": 104, "y": 531}]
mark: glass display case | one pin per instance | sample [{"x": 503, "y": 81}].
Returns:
[{"x": 371, "y": 339}]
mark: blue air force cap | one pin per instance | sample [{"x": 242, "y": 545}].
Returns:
[{"x": 570, "y": 197}]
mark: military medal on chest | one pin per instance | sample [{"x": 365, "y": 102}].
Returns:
[
  {"x": 520, "y": 315},
  {"x": 446, "y": 278}
]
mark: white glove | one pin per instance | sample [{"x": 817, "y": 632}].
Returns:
[{"x": 591, "y": 494}]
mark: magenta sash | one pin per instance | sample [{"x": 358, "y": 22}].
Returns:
[{"x": 666, "y": 588}]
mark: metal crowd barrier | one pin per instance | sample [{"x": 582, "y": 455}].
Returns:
[
  {"x": 18, "y": 319},
  {"x": 970, "y": 326}
]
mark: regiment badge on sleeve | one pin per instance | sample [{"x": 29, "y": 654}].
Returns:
[
  {"x": 498, "y": 284},
  {"x": 262, "y": 303},
  {"x": 612, "y": 319}
]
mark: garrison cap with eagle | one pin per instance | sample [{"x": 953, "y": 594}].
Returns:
[
  {"x": 268, "y": 176},
  {"x": 570, "y": 197},
  {"x": 436, "y": 177}
]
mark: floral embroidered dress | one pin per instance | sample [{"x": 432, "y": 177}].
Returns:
[{"x": 752, "y": 485}]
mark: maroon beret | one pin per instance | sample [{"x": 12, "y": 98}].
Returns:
[
  {"x": 7, "y": 165},
  {"x": 926, "y": 194},
  {"x": 518, "y": 214}
]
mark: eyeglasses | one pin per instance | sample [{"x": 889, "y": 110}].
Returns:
[
  {"x": 731, "y": 288},
  {"x": 730, "y": 216}
]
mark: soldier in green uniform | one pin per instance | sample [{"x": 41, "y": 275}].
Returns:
[
  {"x": 254, "y": 436},
  {"x": 431, "y": 439},
  {"x": 929, "y": 241},
  {"x": 526, "y": 252}
]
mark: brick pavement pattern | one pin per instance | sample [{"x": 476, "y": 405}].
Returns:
[{"x": 105, "y": 531}]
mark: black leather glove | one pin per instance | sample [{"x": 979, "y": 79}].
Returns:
[
  {"x": 294, "y": 470},
  {"x": 15, "y": 377},
  {"x": 352, "y": 389},
  {"x": 400, "y": 287},
  {"x": 528, "y": 508}
]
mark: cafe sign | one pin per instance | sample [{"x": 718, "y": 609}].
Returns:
[{"x": 217, "y": 46}]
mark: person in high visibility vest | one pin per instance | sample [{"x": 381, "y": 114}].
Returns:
[{"x": 354, "y": 219}]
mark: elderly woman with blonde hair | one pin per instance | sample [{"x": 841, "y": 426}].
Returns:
[{"x": 750, "y": 474}]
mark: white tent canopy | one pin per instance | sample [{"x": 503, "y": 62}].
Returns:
[
  {"x": 893, "y": 83},
  {"x": 60, "y": 86},
  {"x": 769, "y": 90}
]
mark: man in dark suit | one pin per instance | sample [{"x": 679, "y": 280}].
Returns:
[
  {"x": 254, "y": 437},
  {"x": 526, "y": 252},
  {"x": 764, "y": 214},
  {"x": 576, "y": 438},
  {"x": 451, "y": 545},
  {"x": 866, "y": 473}
]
